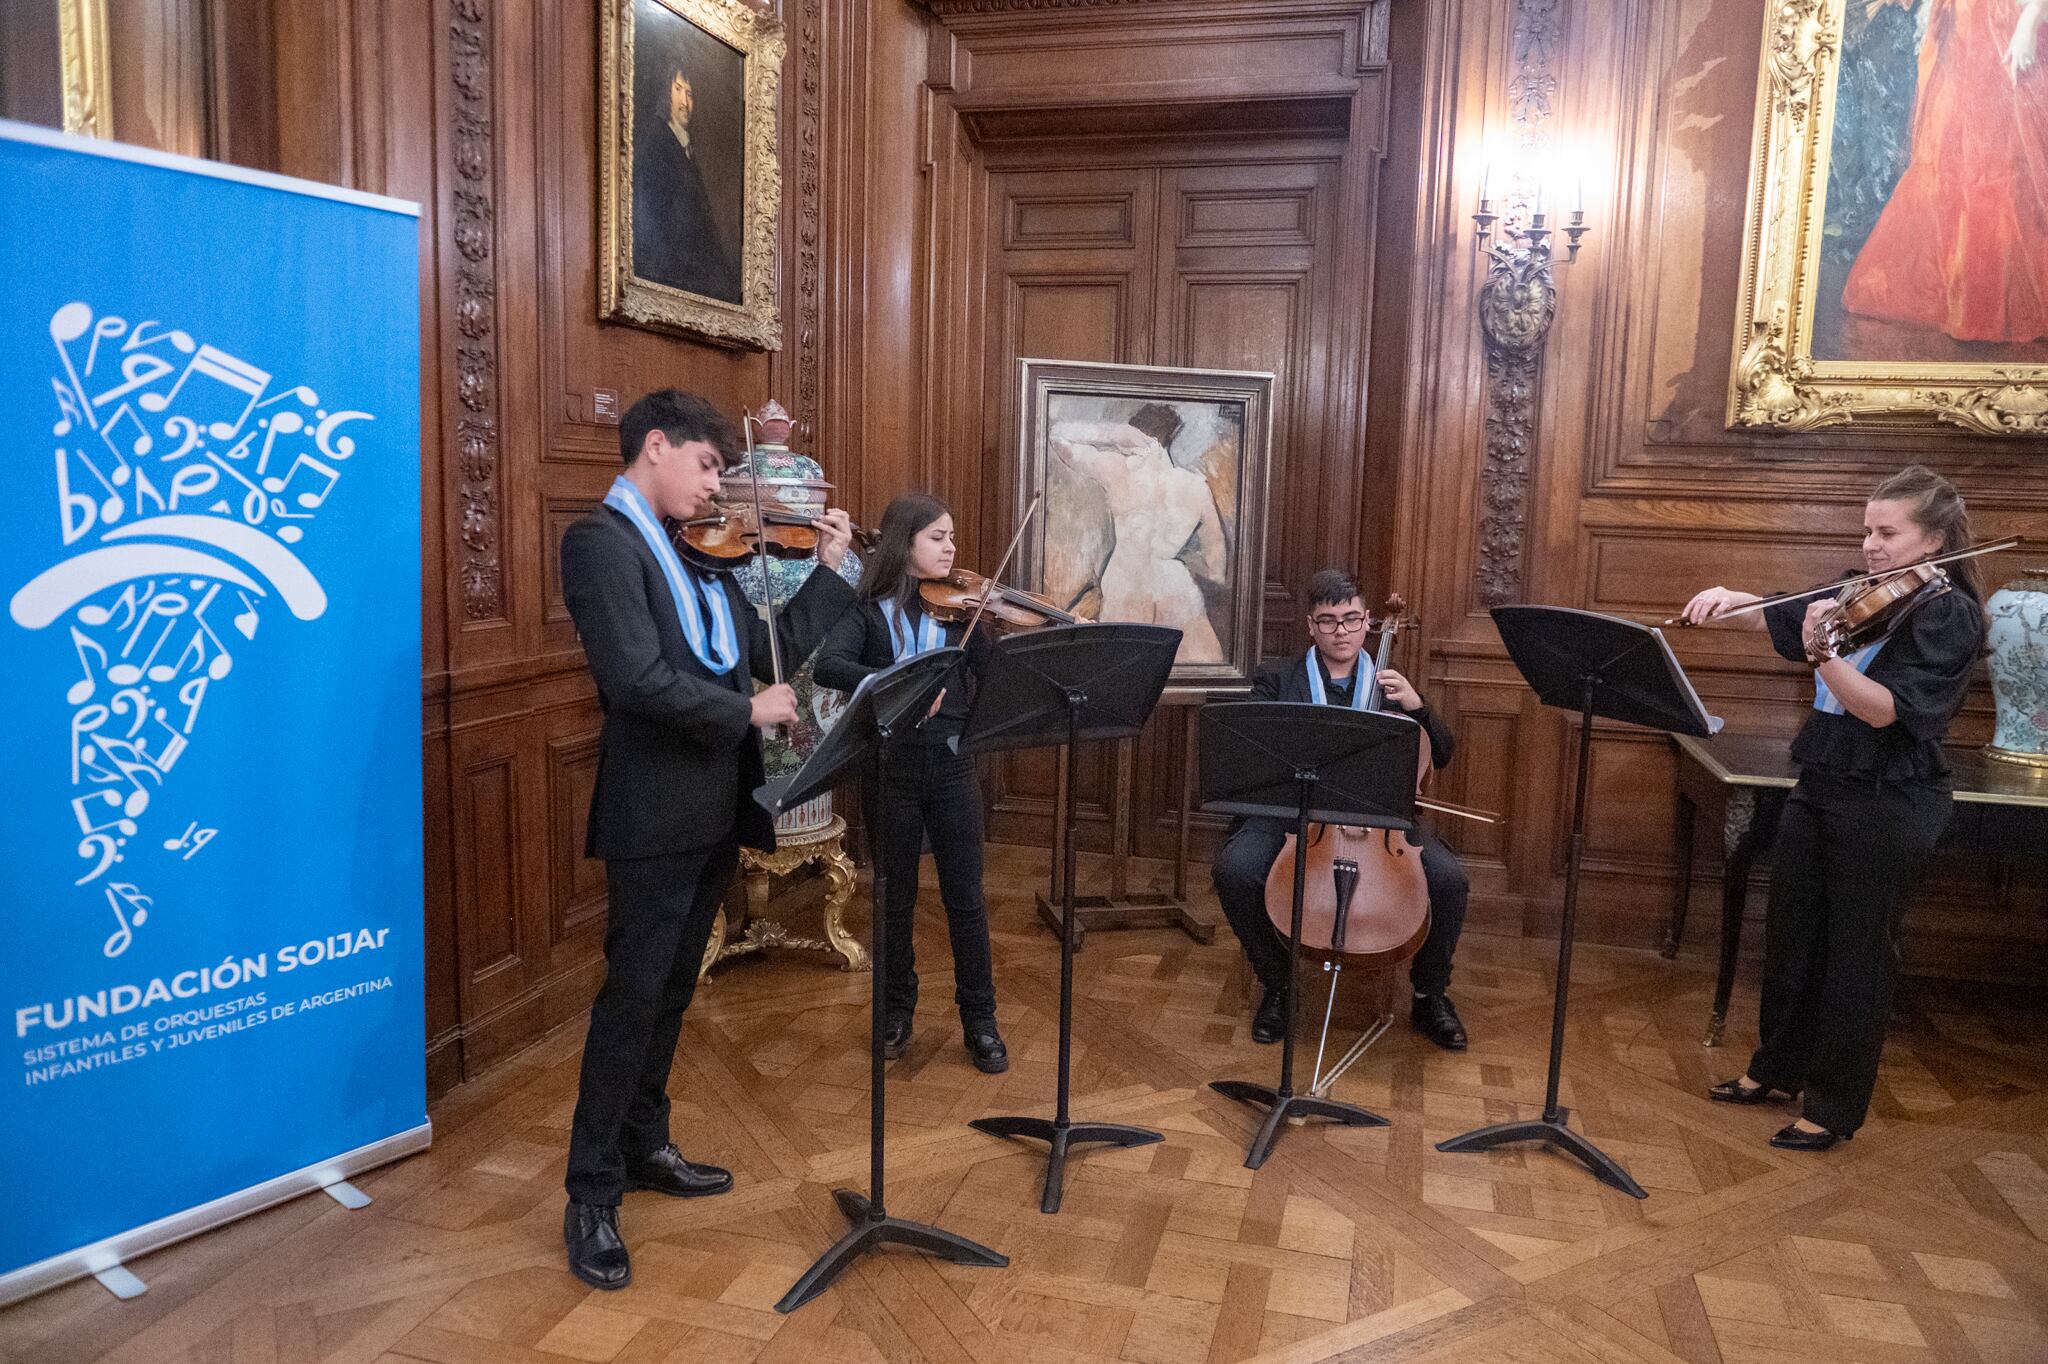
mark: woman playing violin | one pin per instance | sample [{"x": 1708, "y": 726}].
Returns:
[
  {"x": 931, "y": 790},
  {"x": 1873, "y": 796}
]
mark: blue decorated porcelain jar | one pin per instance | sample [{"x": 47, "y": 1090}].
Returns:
[
  {"x": 2019, "y": 669},
  {"x": 797, "y": 481}
]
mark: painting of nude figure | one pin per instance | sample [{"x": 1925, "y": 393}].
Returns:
[{"x": 1154, "y": 483}]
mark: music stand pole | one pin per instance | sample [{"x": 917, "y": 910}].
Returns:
[
  {"x": 1550, "y": 1129},
  {"x": 872, "y": 1225}
]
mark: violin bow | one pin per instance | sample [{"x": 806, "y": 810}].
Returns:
[
  {"x": 995, "y": 579},
  {"x": 761, "y": 548},
  {"x": 2008, "y": 542}
]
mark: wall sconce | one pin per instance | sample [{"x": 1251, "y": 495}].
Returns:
[
  {"x": 1532, "y": 237},
  {"x": 1516, "y": 305}
]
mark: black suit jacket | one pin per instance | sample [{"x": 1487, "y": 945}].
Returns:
[
  {"x": 859, "y": 644},
  {"x": 676, "y": 240},
  {"x": 1286, "y": 679},
  {"x": 678, "y": 761}
]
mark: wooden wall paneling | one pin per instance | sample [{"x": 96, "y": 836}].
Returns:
[
  {"x": 157, "y": 63},
  {"x": 1639, "y": 493},
  {"x": 1136, "y": 208}
]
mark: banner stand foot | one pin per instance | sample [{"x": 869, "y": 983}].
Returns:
[
  {"x": 346, "y": 1194},
  {"x": 121, "y": 1282}
]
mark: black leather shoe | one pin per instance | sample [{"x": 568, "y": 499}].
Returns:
[
  {"x": 667, "y": 1172},
  {"x": 1791, "y": 1138},
  {"x": 895, "y": 1037},
  {"x": 1436, "y": 1018},
  {"x": 1269, "y": 1024},
  {"x": 1735, "y": 1092},
  {"x": 985, "y": 1045},
  {"x": 596, "y": 1254}
]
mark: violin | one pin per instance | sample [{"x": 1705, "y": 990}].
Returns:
[
  {"x": 961, "y": 593},
  {"x": 734, "y": 531},
  {"x": 1872, "y": 610}
]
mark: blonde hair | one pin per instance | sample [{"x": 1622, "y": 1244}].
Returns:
[{"x": 1937, "y": 508}]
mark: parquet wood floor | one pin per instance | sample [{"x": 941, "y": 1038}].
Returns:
[{"x": 1924, "y": 1240}]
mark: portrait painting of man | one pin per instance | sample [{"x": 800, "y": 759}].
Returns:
[
  {"x": 1148, "y": 477},
  {"x": 690, "y": 181},
  {"x": 688, "y": 155}
]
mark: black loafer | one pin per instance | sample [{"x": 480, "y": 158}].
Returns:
[
  {"x": 1735, "y": 1092},
  {"x": 596, "y": 1254},
  {"x": 1436, "y": 1018},
  {"x": 985, "y": 1045},
  {"x": 896, "y": 1037},
  {"x": 1269, "y": 1024},
  {"x": 667, "y": 1172},
  {"x": 1791, "y": 1138}
]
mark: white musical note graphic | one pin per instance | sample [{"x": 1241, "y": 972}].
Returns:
[{"x": 188, "y": 499}]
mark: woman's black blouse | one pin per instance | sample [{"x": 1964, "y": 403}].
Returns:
[
  {"x": 859, "y": 644},
  {"x": 1926, "y": 665}
]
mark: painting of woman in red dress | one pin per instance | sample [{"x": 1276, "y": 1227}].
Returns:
[{"x": 1961, "y": 247}]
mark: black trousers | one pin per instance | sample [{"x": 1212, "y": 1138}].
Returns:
[
  {"x": 935, "y": 793},
  {"x": 659, "y": 922},
  {"x": 1846, "y": 853},
  {"x": 1246, "y": 859}
]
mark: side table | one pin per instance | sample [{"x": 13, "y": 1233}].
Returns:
[{"x": 759, "y": 871}]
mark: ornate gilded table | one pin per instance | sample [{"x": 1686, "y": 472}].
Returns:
[{"x": 759, "y": 871}]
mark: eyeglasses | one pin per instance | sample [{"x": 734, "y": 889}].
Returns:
[{"x": 1349, "y": 623}]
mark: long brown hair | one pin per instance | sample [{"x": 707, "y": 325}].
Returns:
[
  {"x": 885, "y": 575},
  {"x": 1937, "y": 508}
]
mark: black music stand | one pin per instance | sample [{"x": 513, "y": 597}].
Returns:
[
  {"x": 1298, "y": 761},
  {"x": 1619, "y": 670},
  {"x": 885, "y": 704},
  {"x": 1058, "y": 687}
]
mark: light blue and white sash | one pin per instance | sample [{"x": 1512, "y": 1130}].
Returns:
[
  {"x": 906, "y": 643},
  {"x": 1362, "y": 673},
  {"x": 716, "y": 644},
  {"x": 1824, "y": 699}
]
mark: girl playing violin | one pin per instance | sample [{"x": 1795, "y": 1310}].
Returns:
[
  {"x": 1873, "y": 796},
  {"x": 931, "y": 790}
]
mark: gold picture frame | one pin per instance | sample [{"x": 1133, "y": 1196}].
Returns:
[
  {"x": 1778, "y": 382},
  {"x": 702, "y": 188},
  {"x": 83, "y": 66}
]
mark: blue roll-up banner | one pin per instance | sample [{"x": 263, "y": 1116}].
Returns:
[{"x": 211, "y": 890}]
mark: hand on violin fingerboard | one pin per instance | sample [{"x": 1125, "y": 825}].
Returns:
[{"x": 835, "y": 533}]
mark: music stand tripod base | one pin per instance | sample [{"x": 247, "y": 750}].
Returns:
[
  {"x": 1551, "y": 1131},
  {"x": 1280, "y": 1107},
  {"x": 1059, "y": 1137},
  {"x": 872, "y": 1228}
]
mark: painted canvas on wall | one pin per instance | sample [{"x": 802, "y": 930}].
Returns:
[
  {"x": 690, "y": 188},
  {"x": 1935, "y": 240},
  {"x": 1154, "y": 483},
  {"x": 1895, "y": 261}
]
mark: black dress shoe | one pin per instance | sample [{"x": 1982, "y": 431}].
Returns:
[
  {"x": 596, "y": 1254},
  {"x": 1735, "y": 1092},
  {"x": 895, "y": 1037},
  {"x": 1436, "y": 1018},
  {"x": 667, "y": 1172},
  {"x": 1792, "y": 1138},
  {"x": 985, "y": 1045},
  {"x": 1269, "y": 1024}
]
